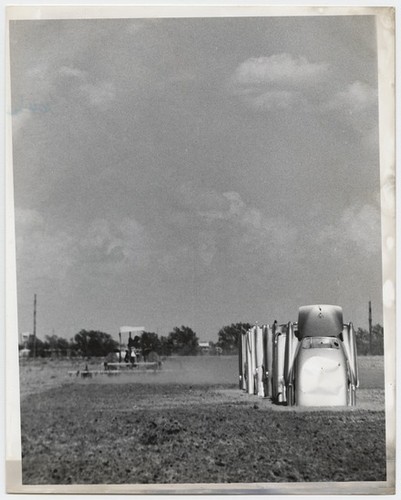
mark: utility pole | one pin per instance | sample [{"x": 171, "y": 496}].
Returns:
[
  {"x": 370, "y": 327},
  {"x": 34, "y": 326}
]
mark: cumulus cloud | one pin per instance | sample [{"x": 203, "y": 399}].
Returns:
[
  {"x": 20, "y": 118},
  {"x": 280, "y": 81},
  {"x": 280, "y": 69},
  {"x": 285, "y": 82},
  {"x": 123, "y": 244},
  {"x": 260, "y": 231},
  {"x": 73, "y": 72},
  {"x": 97, "y": 93},
  {"x": 356, "y": 97},
  {"x": 24, "y": 108},
  {"x": 356, "y": 105},
  {"x": 41, "y": 254},
  {"x": 253, "y": 235},
  {"x": 358, "y": 227},
  {"x": 45, "y": 253}
]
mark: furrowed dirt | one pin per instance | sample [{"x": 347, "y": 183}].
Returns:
[{"x": 125, "y": 430}]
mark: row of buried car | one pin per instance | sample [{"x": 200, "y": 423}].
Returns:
[{"x": 309, "y": 363}]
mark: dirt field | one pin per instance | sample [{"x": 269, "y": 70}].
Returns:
[{"x": 191, "y": 424}]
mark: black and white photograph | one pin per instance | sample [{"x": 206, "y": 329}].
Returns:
[{"x": 200, "y": 212}]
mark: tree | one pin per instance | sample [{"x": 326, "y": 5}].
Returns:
[
  {"x": 36, "y": 347},
  {"x": 228, "y": 337},
  {"x": 149, "y": 342},
  {"x": 135, "y": 342},
  {"x": 94, "y": 343},
  {"x": 183, "y": 341},
  {"x": 363, "y": 341},
  {"x": 166, "y": 346},
  {"x": 57, "y": 345},
  {"x": 377, "y": 340}
]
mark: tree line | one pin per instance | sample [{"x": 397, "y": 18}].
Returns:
[
  {"x": 90, "y": 343},
  {"x": 366, "y": 344},
  {"x": 181, "y": 341}
]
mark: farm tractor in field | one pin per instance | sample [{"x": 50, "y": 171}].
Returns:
[
  {"x": 312, "y": 362},
  {"x": 125, "y": 359}
]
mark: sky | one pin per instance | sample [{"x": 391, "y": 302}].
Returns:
[{"x": 196, "y": 172}]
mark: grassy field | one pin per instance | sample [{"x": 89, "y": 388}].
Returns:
[{"x": 191, "y": 424}]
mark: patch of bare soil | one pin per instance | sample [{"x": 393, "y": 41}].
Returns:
[
  {"x": 135, "y": 433},
  {"x": 39, "y": 375}
]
